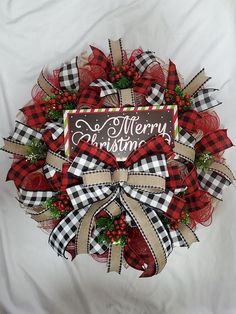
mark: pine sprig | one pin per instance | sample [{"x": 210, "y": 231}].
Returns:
[
  {"x": 123, "y": 82},
  {"x": 35, "y": 150},
  {"x": 204, "y": 161}
]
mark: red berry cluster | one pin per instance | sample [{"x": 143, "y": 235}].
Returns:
[
  {"x": 182, "y": 101},
  {"x": 63, "y": 203},
  {"x": 124, "y": 71},
  {"x": 60, "y": 99},
  {"x": 120, "y": 229}
]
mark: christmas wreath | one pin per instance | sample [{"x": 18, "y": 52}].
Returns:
[{"x": 129, "y": 211}]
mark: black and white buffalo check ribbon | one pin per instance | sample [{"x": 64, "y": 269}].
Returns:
[
  {"x": 201, "y": 100},
  {"x": 213, "y": 182},
  {"x": 186, "y": 138},
  {"x": 106, "y": 87},
  {"x": 25, "y": 134},
  {"x": 144, "y": 60},
  {"x": 69, "y": 75},
  {"x": 56, "y": 129},
  {"x": 156, "y": 95},
  {"x": 34, "y": 198}
]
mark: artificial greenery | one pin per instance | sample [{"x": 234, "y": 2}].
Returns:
[
  {"x": 185, "y": 218},
  {"x": 203, "y": 161},
  {"x": 35, "y": 150},
  {"x": 123, "y": 82},
  {"x": 54, "y": 211},
  {"x": 107, "y": 225}
]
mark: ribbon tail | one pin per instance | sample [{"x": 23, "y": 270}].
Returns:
[
  {"x": 116, "y": 52},
  {"x": 187, "y": 234},
  {"x": 85, "y": 229},
  {"x": 172, "y": 78},
  {"x": 69, "y": 75},
  {"x": 34, "y": 198},
  {"x": 24, "y": 134},
  {"x": 13, "y": 147},
  {"x": 115, "y": 259},
  {"x": 196, "y": 83},
  {"x": 146, "y": 228},
  {"x": 156, "y": 95},
  {"x": 203, "y": 101}
]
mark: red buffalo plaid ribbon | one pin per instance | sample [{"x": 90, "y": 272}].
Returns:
[
  {"x": 195, "y": 197},
  {"x": 187, "y": 120},
  {"x": 153, "y": 146},
  {"x": 143, "y": 85},
  {"x": 21, "y": 168},
  {"x": 172, "y": 78},
  {"x": 90, "y": 97},
  {"x": 214, "y": 142},
  {"x": 174, "y": 181},
  {"x": 98, "y": 58},
  {"x": 137, "y": 253},
  {"x": 35, "y": 114},
  {"x": 53, "y": 144},
  {"x": 62, "y": 180}
]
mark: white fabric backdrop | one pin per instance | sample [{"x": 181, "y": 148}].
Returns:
[{"x": 194, "y": 34}]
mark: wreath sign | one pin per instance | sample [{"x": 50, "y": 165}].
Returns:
[{"x": 134, "y": 212}]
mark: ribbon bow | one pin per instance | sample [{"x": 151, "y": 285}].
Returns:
[
  {"x": 138, "y": 188},
  {"x": 140, "y": 63},
  {"x": 24, "y": 136}
]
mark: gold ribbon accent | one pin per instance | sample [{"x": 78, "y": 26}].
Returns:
[
  {"x": 223, "y": 170},
  {"x": 55, "y": 160},
  {"x": 184, "y": 151},
  {"x": 126, "y": 97},
  {"x": 116, "y": 52},
  {"x": 14, "y": 148},
  {"x": 196, "y": 83},
  {"x": 45, "y": 85}
]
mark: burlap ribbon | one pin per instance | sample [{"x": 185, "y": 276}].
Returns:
[{"x": 45, "y": 84}]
